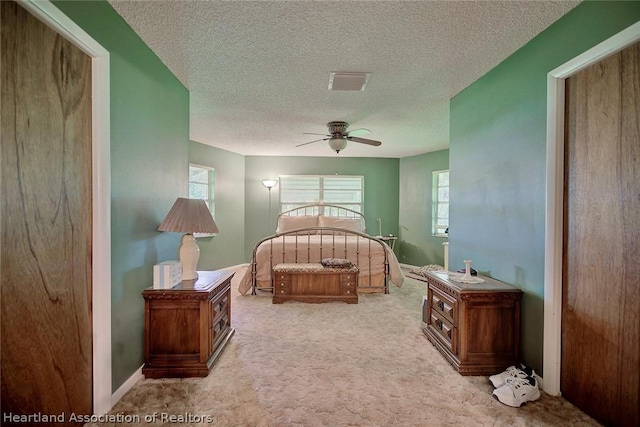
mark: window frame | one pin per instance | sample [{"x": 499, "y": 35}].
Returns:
[
  {"x": 356, "y": 206},
  {"x": 436, "y": 202},
  {"x": 211, "y": 184}
]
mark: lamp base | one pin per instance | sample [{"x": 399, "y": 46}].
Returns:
[{"x": 189, "y": 254}]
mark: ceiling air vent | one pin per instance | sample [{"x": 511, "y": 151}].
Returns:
[{"x": 348, "y": 81}]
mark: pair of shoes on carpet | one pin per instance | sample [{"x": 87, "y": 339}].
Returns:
[{"x": 515, "y": 386}]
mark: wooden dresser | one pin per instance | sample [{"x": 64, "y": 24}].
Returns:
[
  {"x": 314, "y": 283},
  {"x": 475, "y": 326},
  {"x": 187, "y": 326}
]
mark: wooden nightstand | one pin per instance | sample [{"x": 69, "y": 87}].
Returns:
[
  {"x": 187, "y": 326},
  {"x": 476, "y": 327}
]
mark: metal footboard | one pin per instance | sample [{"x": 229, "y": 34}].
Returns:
[{"x": 333, "y": 243}]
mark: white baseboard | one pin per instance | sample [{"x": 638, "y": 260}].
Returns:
[
  {"x": 128, "y": 384},
  {"x": 541, "y": 385}
]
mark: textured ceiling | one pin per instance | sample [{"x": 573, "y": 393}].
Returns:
[{"x": 258, "y": 71}]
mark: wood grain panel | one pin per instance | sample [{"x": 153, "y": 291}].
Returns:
[
  {"x": 601, "y": 273},
  {"x": 315, "y": 287},
  {"x": 46, "y": 219}
]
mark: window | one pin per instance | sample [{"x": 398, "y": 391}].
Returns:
[
  {"x": 341, "y": 190},
  {"x": 440, "y": 215},
  {"x": 202, "y": 182}
]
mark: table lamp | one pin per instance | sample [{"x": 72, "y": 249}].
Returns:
[{"x": 189, "y": 216}]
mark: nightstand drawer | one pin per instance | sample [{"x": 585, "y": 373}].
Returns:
[
  {"x": 444, "y": 330},
  {"x": 445, "y": 306}
]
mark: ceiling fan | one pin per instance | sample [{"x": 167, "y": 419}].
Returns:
[{"x": 338, "y": 136}]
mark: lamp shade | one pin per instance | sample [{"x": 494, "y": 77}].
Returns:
[
  {"x": 337, "y": 144},
  {"x": 189, "y": 216},
  {"x": 269, "y": 183}
]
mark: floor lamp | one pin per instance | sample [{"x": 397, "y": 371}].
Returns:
[{"x": 269, "y": 183}]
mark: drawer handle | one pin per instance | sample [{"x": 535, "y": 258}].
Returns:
[
  {"x": 439, "y": 324},
  {"x": 282, "y": 291},
  {"x": 281, "y": 284},
  {"x": 441, "y": 305}
]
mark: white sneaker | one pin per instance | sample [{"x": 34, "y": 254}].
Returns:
[
  {"x": 517, "y": 391},
  {"x": 498, "y": 380}
]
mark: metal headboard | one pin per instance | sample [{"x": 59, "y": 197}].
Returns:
[{"x": 324, "y": 209}]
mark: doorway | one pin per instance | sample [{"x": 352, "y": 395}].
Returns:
[
  {"x": 555, "y": 196},
  {"x": 99, "y": 297},
  {"x": 600, "y": 299}
]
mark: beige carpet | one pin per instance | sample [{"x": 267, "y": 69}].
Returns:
[{"x": 334, "y": 364}]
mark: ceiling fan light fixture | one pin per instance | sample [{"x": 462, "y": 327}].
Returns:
[
  {"x": 338, "y": 144},
  {"x": 348, "y": 81}
]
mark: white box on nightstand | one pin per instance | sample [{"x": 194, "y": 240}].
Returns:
[{"x": 167, "y": 274}]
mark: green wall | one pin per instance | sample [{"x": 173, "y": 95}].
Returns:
[
  {"x": 227, "y": 248},
  {"x": 497, "y": 163},
  {"x": 416, "y": 245},
  {"x": 497, "y": 159},
  {"x": 380, "y": 190},
  {"x": 149, "y": 169}
]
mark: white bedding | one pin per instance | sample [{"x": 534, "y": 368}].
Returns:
[{"x": 368, "y": 255}]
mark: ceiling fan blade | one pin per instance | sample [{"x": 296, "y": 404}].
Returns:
[
  {"x": 311, "y": 142},
  {"x": 311, "y": 133},
  {"x": 364, "y": 140},
  {"x": 358, "y": 132}
]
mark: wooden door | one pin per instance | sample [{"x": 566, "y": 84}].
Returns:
[
  {"x": 601, "y": 270},
  {"x": 46, "y": 219}
]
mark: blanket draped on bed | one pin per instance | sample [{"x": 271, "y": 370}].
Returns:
[{"x": 367, "y": 254}]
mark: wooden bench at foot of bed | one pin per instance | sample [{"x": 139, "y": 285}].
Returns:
[{"x": 313, "y": 282}]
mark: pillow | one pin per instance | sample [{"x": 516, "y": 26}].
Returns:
[
  {"x": 420, "y": 271},
  {"x": 336, "y": 262},
  {"x": 288, "y": 223},
  {"x": 351, "y": 224}
]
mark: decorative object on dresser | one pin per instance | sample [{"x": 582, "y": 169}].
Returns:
[
  {"x": 189, "y": 216},
  {"x": 314, "y": 282},
  {"x": 475, "y": 326},
  {"x": 310, "y": 233},
  {"x": 167, "y": 274},
  {"x": 187, "y": 326}
]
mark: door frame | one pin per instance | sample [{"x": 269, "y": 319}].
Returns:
[
  {"x": 101, "y": 194},
  {"x": 554, "y": 198}
]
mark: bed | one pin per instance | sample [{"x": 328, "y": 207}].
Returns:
[{"x": 313, "y": 233}]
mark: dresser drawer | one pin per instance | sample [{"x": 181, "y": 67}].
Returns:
[
  {"x": 281, "y": 277},
  {"x": 444, "y": 305},
  {"x": 218, "y": 306},
  {"x": 445, "y": 330},
  {"x": 282, "y": 287},
  {"x": 348, "y": 278},
  {"x": 348, "y": 284}
]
